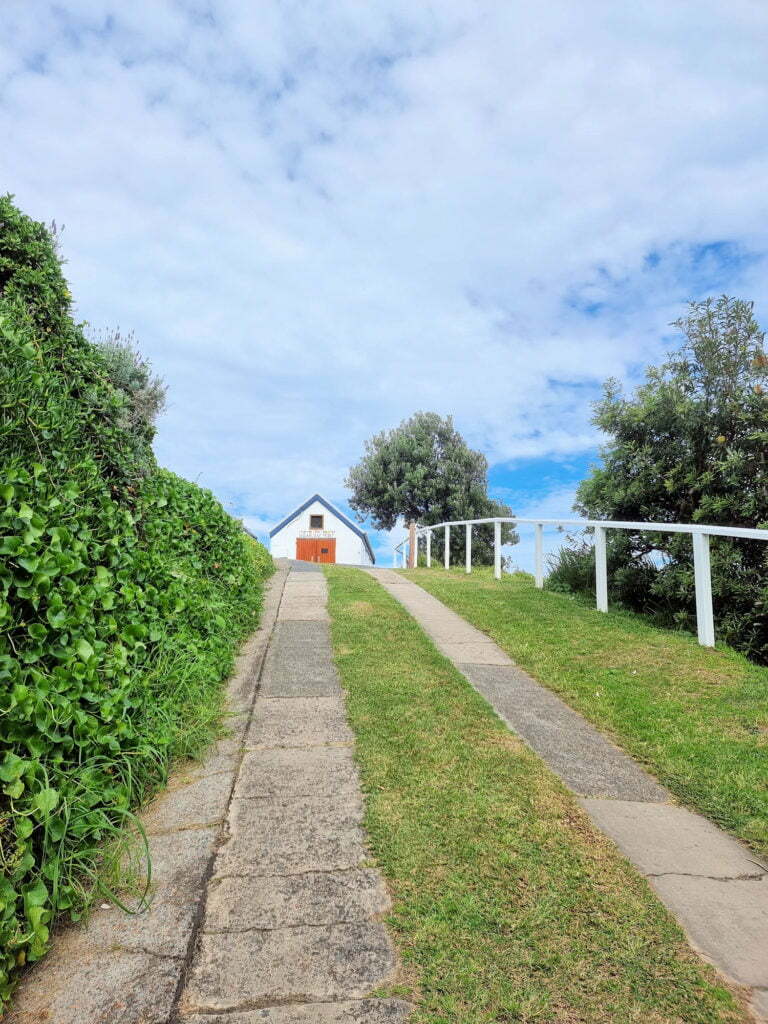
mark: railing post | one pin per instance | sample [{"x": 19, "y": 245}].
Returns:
[
  {"x": 447, "y": 552},
  {"x": 702, "y": 578},
  {"x": 429, "y": 549},
  {"x": 601, "y": 570},
  {"x": 539, "y": 555},
  {"x": 497, "y": 550},
  {"x": 469, "y": 547}
]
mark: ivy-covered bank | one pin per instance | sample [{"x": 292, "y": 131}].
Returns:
[{"x": 124, "y": 592}]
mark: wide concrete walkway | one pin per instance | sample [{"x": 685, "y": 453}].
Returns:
[
  {"x": 264, "y": 908},
  {"x": 715, "y": 887}
]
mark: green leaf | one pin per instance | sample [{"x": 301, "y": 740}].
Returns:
[
  {"x": 84, "y": 649},
  {"x": 46, "y": 800}
]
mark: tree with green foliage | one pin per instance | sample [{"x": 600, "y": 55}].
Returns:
[
  {"x": 124, "y": 592},
  {"x": 690, "y": 446},
  {"x": 423, "y": 470}
]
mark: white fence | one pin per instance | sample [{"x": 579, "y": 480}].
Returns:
[{"x": 700, "y": 535}]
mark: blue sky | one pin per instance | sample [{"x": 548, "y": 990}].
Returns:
[{"x": 319, "y": 217}]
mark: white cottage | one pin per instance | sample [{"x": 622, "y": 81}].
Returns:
[{"x": 318, "y": 532}]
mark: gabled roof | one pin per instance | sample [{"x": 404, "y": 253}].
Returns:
[{"x": 334, "y": 511}]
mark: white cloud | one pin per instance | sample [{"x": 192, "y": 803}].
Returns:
[{"x": 321, "y": 217}]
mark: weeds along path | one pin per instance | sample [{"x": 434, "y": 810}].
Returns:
[{"x": 715, "y": 887}]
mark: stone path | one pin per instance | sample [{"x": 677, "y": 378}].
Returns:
[
  {"x": 265, "y": 909},
  {"x": 715, "y": 887}
]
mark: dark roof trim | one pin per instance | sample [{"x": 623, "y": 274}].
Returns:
[{"x": 334, "y": 511}]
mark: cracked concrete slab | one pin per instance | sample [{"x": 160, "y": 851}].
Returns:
[
  {"x": 663, "y": 839},
  {"x": 311, "y": 898},
  {"x": 302, "y": 964},
  {"x": 110, "y": 985},
  {"x": 297, "y": 836},
  {"x": 296, "y": 772},
  {"x": 726, "y": 920},
  {"x": 357, "y": 1011},
  {"x": 179, "y": 864},
  {"x": 307, "y": 722},
  {"x": 197, "y": 804}
]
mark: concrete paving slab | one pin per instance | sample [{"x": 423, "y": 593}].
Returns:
[
  {"x": 110, "y": 986},
  {"x": 312, "y": 898},
  {"x": 179, "y": 863},
  {"x": 726, "y": 920},
  {"x": 452, "y": 632},
  {"x": 583, "y": 758},
  {"x": 300, "y": 674},
  {"x": 310, "y": 609},
  {"x": 355, "y": 1011},
  {"x": 663, "y": 839},
  {"x": 304, "y": 567},
  {"x": 484, "y": 652},
  {"x": 308, "y": 721},
  {"x": 296, "y": 772},
  {"x": 198, "y": 804},
  {"x": 298, "y": 631},
  {"x": 321, "y": 834},
  {"x": 222, "y": 757},
  {"x": 301, "y": 964}
]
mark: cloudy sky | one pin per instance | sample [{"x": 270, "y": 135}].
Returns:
[{"x": 319, "y": 216}]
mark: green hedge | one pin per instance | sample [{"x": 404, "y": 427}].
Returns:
[{"x": 123, "y": 597}]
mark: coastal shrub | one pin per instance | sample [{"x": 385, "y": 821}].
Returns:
[
  {"x": 689, "y": 446},
  {"x": 124, "y": 591}
]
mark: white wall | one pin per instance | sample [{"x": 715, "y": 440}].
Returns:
[{"x": 350, "y": 548}]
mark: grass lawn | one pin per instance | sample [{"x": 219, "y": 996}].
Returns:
[
  {"x": 508, "y": 904},
  {"x": 697, "y": 718}
]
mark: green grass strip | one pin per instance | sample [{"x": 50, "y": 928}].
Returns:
[
  {"x": 508, "y": 904},
  {"x": 697, "y": 717}
]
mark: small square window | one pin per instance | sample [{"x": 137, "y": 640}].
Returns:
[{"x": 315, "y": 522}]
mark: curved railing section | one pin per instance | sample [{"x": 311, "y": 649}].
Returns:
[{"x": 700, "y": 534}]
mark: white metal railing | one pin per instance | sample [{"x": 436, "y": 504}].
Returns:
[{"x": 700, "y": 534}]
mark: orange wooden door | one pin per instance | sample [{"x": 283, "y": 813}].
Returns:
[
  {"x": 316, "y": 549},
  {"x": 327, "y": 550}
]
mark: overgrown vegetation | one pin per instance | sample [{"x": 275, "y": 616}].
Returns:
[
  {"x": 508, "y": 904},
  {"x": 123, "y": 593},
  {"x": 690, "y": 446},
  {"x": 697, "y": 717}
]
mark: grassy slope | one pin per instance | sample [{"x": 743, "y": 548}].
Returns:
[
  {"x": 508, "y": 904},
  {"x": 698, "y": 718}
]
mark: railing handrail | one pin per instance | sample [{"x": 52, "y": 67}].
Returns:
[
  {"x": 742, "y": 532},
  {"x": 699, "y": 532}
]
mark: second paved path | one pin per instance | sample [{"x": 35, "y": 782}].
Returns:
[{"x": 717, "y": 888}]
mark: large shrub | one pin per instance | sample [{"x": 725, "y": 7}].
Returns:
[
  {"x": 690, "y": 446},
  {"x": 123, "y": 593}
]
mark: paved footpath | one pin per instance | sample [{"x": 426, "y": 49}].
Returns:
[
  {"x": 715, "y": 887},
  {"x": 265, "y": 909}
]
